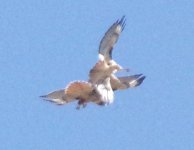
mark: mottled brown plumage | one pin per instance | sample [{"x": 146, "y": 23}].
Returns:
[{"x": 102, "y": 79}]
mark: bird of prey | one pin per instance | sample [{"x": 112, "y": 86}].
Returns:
[
  {"x": 102, "y": 79},
  {"x": 106, "y": 66},
  {"x": 83, "y": 92}
]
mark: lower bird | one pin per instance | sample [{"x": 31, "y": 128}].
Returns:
[
  {"x": 101, "y": 94},
  {"x": 83, "y": 92}
]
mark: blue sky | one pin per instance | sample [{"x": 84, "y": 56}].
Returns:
[{"x": 45, "y": 44}]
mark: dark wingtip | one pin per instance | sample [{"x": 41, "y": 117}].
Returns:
[
  {"x": 122, "y": 22},
  {"x": 140, "y": 80},
  {"x": 122, "y": 19}
]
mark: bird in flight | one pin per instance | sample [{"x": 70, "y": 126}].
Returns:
[{"x": 102, "y": 82}]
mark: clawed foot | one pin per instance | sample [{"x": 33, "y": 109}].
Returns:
[{"x": 81, "y": 105}]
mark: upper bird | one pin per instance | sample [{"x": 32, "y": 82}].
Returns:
[
  {"x": 106, "y": 66},
  {"x": 102, "y": 81}
]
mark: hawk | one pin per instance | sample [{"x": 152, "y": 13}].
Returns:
[
  {"x": 83, "y": 92},
  {"x": 102, "y": 79}
]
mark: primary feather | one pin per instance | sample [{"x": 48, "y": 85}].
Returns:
[{"x": 110, "y": 38}]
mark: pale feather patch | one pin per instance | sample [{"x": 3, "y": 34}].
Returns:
[
  {"x": 111, "y": 97},
  {"x": 107, "y": 95},
  {"x": 57, "y": 101},
  {"x": 133, "y": 83},
  {"x": 118, "y": 29},
  {"x": 101, "y": 57}
]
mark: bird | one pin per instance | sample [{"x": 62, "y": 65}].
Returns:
[
  {"x": 102, "y": 82},
  {"x": 106, "y": 66},
  {"x": 84, "y": 92}
]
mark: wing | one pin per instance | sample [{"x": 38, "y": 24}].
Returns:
[
  {"x": 55, "y": 97},
  {"x": 126, "y": 82},
  {"x": 110, "y": 38},
  {"x": 74, "y": 90}
]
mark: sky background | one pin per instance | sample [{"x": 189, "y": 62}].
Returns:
[{"x": 45, "y": 44}]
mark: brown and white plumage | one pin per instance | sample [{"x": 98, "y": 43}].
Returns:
[
  {"x": 83, "y": 92},
  {"x": 77, "y": 90},
  {"x": 102, "y": 79},
  {"x": 106, "y": 65},
  {"x": 101, "y": 70},
  {"x": 105, "y": 57}
]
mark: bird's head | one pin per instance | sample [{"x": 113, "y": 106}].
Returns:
[{"x": 116, "y": 67}]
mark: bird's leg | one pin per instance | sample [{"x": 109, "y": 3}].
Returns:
[{"x": 82, "y": 103}]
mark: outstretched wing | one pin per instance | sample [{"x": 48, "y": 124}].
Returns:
[
  {"x": 119, "y": 83},
  {"x": 55, "y": 97},
  {"x": 110, "y": 38},
  {"x": 74, "y": 90}
]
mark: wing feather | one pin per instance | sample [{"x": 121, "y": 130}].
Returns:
[
  {"x": 118, "y": 83},
  {"x": 55, "y": 97},
  {"x": 110, "y": 38}
]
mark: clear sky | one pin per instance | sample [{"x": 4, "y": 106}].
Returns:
[{"x": 45, "y": 44}]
